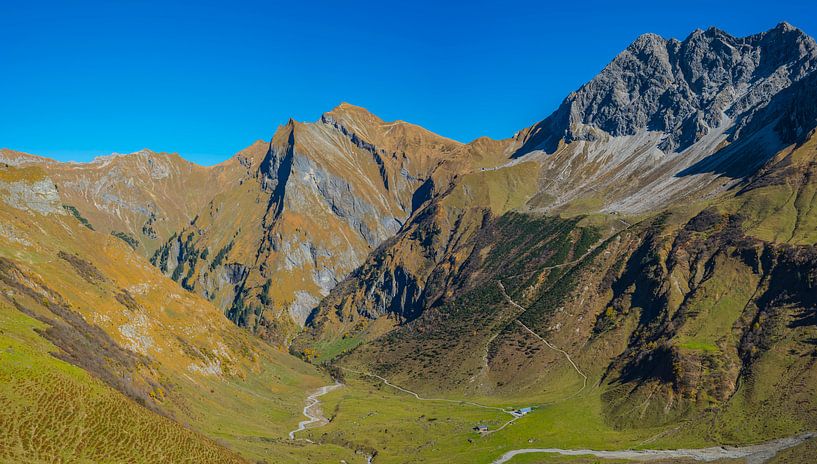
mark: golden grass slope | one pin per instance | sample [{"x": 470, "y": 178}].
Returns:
[
  {"x": 51, "y": 410},
  {"x": 128, "y": 346}
]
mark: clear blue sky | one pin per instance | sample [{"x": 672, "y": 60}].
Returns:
[{"x": 205, "y": 79}]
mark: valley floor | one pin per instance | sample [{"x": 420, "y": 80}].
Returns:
[
  {"x": 375, "y": 417},
  {"x": 385, "y": 422}
]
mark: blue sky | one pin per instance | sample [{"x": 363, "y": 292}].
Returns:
[{"x": 205, "y": 79}]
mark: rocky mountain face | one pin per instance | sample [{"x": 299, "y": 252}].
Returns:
[
  {"x": 313, "y": 206},
  {"x": 682, "y": 89},
  {"x": 141, "y": 198},
  {"x": 667, "y": 120},
  {"x": 672, "y": 200}
]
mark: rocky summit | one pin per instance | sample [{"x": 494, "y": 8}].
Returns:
[{"x": 632, "y": 277}]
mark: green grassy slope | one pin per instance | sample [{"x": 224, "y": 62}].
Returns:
[
  {"x": 695, "y": 326},
  {"x": 113, "y": 359},
  {"x": 50, "y": 409}
]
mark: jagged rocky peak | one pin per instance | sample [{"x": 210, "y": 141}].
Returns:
[
  {"x": 681, "y": 88},
  {"x": 276, "y": 164}
]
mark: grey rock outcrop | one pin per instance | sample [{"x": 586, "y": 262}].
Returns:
[
  {"x": 680, "y": 88},
  {"x": 40, "y": 196}
]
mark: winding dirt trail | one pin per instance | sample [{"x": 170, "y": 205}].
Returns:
[
  {"x": 548, "y": 344},
  {"x": 569, "y": 359},
  {"x": 313, "y": 411},
  {"x": 753, "y": 454}
]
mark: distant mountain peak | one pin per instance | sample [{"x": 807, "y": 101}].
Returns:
[
  {"x": 647, "y": 41},
  {"x": 346, "y": 106},
  {"x": 681, "y": 88},
  {"x": 144, "y": 152},
  {"x": 349, "y": 109},
  {"x": 786, "y": 27},
  {"x": 354, "y": 118}
]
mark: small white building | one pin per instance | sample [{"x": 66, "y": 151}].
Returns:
[{"x": 522, "y": 411}]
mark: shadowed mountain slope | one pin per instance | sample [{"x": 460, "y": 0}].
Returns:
[{"x": 323, "y": 196}]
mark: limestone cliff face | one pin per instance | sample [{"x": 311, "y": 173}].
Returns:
[
  {"x": 671, "y": 120},
  {"x": 319, "y": 200},
  {"x": 40, "y": 196}
]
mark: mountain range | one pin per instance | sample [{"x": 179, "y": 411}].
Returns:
[{"x": 640, "y": 263}]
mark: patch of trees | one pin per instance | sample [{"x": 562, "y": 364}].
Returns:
[
  {"x": 75, "y": 212},
  {"x": 127, "y": 238},
  {"x": 222, "y": 253}
]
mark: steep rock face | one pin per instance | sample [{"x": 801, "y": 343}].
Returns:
[
  {"x": 40, "y": 196},
  {"x": 681, "y": 89},
  {"x": 322, "y": 197},
  {"x": 671, "y": 120}
]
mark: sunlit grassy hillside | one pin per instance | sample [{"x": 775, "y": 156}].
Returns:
[{"x": 105, "y": 358}]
